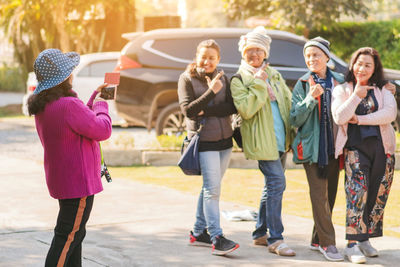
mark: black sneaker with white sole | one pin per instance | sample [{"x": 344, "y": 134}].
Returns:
[
  {"x": 222, "y": 246},
  {"x": 201, "y": 240}
]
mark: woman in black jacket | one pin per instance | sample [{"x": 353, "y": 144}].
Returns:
[{"x": 205, "y": 97}]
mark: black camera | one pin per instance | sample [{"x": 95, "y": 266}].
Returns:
[{"x": 108, "y": 92}]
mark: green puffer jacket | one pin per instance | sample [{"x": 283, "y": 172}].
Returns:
[
  {"x": 251, "y": 99},
  {"x": 304, "y": 115}
]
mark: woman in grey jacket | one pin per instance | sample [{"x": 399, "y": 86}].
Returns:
[{"x": 204, "y": 96}]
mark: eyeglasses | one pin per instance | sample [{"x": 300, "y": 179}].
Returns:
[{"x": 255, "y": 50}]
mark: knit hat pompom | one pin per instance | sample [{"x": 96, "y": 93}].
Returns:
[
  {"x": 256, "y": 38},
  {"x": 319, "y": 42}
]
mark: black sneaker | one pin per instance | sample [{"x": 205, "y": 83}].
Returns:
[
  {"x": 222, "y": 246},
  {"x": 201, "y": 240}
]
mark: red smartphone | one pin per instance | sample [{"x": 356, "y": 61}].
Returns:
[{"x": 110, "y": 92}]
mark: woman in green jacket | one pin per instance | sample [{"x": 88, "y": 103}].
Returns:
[
  {"x": 314, "y": 143},
  {"x": 263, "y": 100}
]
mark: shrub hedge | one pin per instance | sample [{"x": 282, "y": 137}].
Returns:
[
  {"x": 12, "y": 79},
  {"x": 347, "y": 37}
]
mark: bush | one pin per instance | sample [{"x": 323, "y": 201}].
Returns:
[
  {"x": 170, "y": 141},
  {"x": 347, "y": 37},
  {"x": 12, "y": 79}
]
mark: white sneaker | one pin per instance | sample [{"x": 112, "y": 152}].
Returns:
[
  {"x": 367, "y": 249},
  {"x": 354, "y": 254}
]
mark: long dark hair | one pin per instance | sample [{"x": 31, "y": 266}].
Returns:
[
  {"x": 210, "y": 43},
  {"x": 377, "y": 77},
  {"x": 37, "y": 103}
]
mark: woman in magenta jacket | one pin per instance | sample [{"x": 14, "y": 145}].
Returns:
[{"x": 69, "y": 132}]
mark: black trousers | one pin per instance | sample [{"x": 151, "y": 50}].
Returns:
[{"x": 66, "y": 247}]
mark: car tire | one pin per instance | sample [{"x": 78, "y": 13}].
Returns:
[{"x": 171, "y": 121}]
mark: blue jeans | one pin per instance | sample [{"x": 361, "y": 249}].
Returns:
[
  {"x": 269, "y": 216},
  {"x": 213, "y": 165}
]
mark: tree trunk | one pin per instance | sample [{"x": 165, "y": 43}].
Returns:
[{"x": 60, "y": 16}]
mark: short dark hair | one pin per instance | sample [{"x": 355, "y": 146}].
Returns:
[
  {"x": 37, "y": 103},
  {"x": 377, "y": 77}
]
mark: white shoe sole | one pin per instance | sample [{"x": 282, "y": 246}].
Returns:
[
  {"x": 327, "y": 257},
  {"x": 357, "y": 260},
  {"x": 222, "y": 253},
  {"x": 313, "y": 248}
]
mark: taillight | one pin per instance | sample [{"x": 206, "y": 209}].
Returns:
[
  {"x": 125, "y": 62},
  {"x": 31, "y": 88}
]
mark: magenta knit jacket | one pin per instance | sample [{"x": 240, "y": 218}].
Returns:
[{"x": 70, "y": 133}]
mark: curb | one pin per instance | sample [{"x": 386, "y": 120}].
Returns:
[{"x": 115, "y": 157}]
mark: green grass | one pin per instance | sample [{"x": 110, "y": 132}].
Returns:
[{"x": 244, "y": 186}]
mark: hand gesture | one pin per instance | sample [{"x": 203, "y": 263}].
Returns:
[
  {"x": 316, "y": 90},
  {"x": 362, "y": 90},
  {"x": 353, "y": 120},
  {"x": 98, "y": 90},
  {"x": 261, "y": 74},
  {"x": 101, "y": 87},
  {"x": 215, "y": 84},
  {"x": 391, "y": 87}
]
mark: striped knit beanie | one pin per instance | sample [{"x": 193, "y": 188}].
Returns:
[
  {"x": 256, "y": 38},
  {"x": 319, "y": 42}
]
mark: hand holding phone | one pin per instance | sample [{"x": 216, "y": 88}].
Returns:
[{"x": 110, "y": 91}]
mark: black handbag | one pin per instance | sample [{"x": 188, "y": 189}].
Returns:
[{"x": 190, "y": 159}]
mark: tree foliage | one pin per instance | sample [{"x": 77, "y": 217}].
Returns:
[
  {"x": 289, "y": 14},
  {"x": 81, "y": 25}
]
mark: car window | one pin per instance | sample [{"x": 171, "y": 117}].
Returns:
[
  {"x": 283, "y": 53},
  {"x": 186, "y": 48},
  {"x": 286, "y": 54},
  {"x": 98, "y": 68},
  {"x": 229, "y": 50},
  {"x": 84, "y": 72},
  {"x": 180, "y": 48}
]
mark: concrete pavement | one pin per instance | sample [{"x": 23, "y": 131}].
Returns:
[{"x": 134, "y": 224}]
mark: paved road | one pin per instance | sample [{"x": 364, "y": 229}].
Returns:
[{"x": 132, "y": 224}]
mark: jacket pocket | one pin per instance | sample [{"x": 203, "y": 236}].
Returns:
[{"x": 303, "y": 147}]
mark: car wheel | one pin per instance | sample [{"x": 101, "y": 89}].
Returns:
[{"x": 171, "y": 121}]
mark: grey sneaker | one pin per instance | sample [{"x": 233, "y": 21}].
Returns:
[
  {"x": 331, "y": 253},
  {"x": 367, "y": 249},
  {"x": 354, "y": 254}
]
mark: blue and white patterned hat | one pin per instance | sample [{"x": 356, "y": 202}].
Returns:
[{"x": 52, "y": 67}]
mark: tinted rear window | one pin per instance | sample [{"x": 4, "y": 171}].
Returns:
[
  {"x": 283, "y": 53},
  {"x": 98, "y": 68},
  {"x": 286, "y": 54}
]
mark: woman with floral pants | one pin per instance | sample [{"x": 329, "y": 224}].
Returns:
[{"x": 364, "y": 108}]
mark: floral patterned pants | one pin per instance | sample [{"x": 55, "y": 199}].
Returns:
[{"x": 368, "y": 178}]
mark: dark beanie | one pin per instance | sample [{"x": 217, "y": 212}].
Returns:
[{"x": 319, "y": 42}]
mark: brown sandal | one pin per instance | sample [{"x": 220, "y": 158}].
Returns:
[{"x": 281, "y": 248}]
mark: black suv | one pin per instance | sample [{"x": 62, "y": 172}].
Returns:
[{"x": 151, "y": 62}]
